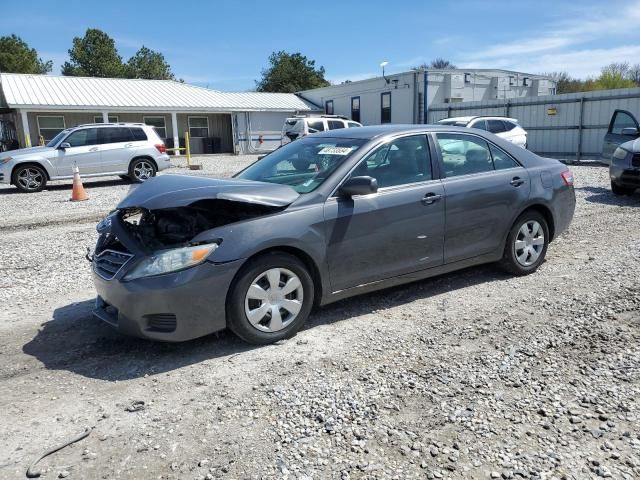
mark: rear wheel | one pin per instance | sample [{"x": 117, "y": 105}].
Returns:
[
  {"x": 141, "y": 170},
  {"x": 620, "y": 190},
  {"x": 30, "y": 178},
  {"x": 270, "y": 299},
  {"x": 527, "y": 244}
]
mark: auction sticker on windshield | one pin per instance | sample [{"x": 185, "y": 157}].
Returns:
[{"x": 335, "y": 151}]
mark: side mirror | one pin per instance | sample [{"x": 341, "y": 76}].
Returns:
[
  {"x": 64, "y": 145},
  {"x": 359, "y": 186},
  {"x": 630, "y": 131}
]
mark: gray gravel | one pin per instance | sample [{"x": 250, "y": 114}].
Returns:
[{"x": 470, "y": 375}]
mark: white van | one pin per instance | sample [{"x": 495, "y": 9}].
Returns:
[{"x": 299, "y": 126}]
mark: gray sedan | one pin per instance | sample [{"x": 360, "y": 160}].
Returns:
[{"x": 329, "y": 216}]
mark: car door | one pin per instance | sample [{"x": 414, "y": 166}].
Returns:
[
  {"x": 118, "y": 148},
  {"x": 396, "y": 231},
  {"x": 83, "y": 152},
  {"x": 484, "y": 188},
  {"x": 614, "y": 137}
]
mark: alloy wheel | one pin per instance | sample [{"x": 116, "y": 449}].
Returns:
[
  {"x": 529, "y": 243},
  {"x": 143, "y": 170},
  {"x": 30, "y": 178},
  {"x": 274, "y": 300}
]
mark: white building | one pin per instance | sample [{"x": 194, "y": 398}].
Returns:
[
  {"x": 405, "y": 97},
  {"x": 40, "y": 106}
]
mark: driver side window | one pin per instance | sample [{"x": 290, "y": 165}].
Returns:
[{"x": 399, "y": 162}]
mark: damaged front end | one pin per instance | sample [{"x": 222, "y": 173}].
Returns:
[{"x": 159, "y": 226}]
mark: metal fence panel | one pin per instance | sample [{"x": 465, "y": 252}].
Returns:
[{"x": 567, "y": 125}]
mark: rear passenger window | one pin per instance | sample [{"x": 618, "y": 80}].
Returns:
[
  {"x": 501, "y": 159},
  {"x": 480, "y": 125},
  {"x": 116, "y": 135},
  {"x": 464, "y": 154},
  {"x": 508, "y": 125},
  {"x": 495, "y": 126},
  {"x": 317, "y": 125},
  {"x": 138, "y": 134},
  {"x": 335, "y": 124}
]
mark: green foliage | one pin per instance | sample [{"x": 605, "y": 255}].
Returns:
[
  {"x": 17, "y": 57},
  {"x": 94, "y": 55},
  {"x": 614, "y": 75},
  {"x": 148, "y": 64},
  {"x": 290, "y": 72}
]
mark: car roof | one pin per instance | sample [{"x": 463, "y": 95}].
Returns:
[
  {"x": 469, "y": 119},
  {"x": 119, "y": 124},
  {"x": 375, "y": 131}
]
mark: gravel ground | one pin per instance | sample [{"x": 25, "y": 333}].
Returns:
[{"x": 469, "y": 375}]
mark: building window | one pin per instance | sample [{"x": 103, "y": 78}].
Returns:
[
  {"x": 198, "y": 127},
  {"x": 112, "y": 119},
  {"x": 49, "y": 127},
  {"x": 328, "y": 107},
  {"x": 158, "y": 123},
  {"x": 385, "y": 107},
  {"x": 355, "y": 109},
  {"x": 512, "y": 80},
  {"x": 467, "y": 78}
]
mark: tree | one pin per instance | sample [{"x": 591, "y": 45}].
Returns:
[
  {"x": 290, "y": 72},
  {"x": 17, "y": 57},
  {"x": 609, "y": 79},
  {"x": 94, "y": 55},
  {"x": 148, "y": 64},
  {"x": 438, "y": 64},
  {"x": 634, "y": 74}
]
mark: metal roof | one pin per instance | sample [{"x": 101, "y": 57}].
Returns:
[{"x": 52, "y": 92}]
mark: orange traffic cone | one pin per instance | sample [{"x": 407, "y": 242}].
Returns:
[{"x": 78, "y": 194}]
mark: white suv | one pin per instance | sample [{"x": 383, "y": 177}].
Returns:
[
  {"x": 133, "y": 151},
  {"x": 297, "y": 127},
  {"x": 507, "y": 128}
]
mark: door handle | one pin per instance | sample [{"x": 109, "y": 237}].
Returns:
[
  {"x": 516, "y": 181},
  {"x": 431, "y": 198},
  {"x": 127, "y": 145},
  {"x": 93, "y": 149}
]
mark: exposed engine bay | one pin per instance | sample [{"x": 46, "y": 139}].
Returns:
[{"x": 176, "y": 227}]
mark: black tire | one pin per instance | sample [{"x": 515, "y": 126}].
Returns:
[
  {"x": 36, "y": 176},
  {"x": 237, "y": 319},
  {"x": 510, "y": 262},
  {"x": 619, "y": 190},
  {"x": 139, "y": 165}
]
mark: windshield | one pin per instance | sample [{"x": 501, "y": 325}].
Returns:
[
  {"x": 54, "y": 141},
  {"x": 303, "y": 164}
]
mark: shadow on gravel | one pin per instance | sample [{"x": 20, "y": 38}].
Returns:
[
  {"x": 73, "y": 340},
  {"x": 68, "y": 185},
  {"x": 606, "y": 197}
]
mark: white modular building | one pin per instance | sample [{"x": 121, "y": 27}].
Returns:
[
  {"x": 405, "y": 97},
  {"x": 40, "y": 106}
]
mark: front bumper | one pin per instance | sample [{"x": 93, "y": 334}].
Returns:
[
  {"x": 625, "y": 177},
  {"x": 172, "y": 307}
]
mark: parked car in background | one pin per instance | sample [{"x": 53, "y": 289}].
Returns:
[
  {"x": 624, "y": 170},
  {"x": 133, "y": 151},
  {"x": 623, "y": 127},
  {"x": 326, "y": 217},
  {"x": 507, "y": 128},
  {"x": 299, "y": 126}
]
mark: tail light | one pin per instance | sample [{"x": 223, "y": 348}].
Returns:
[
  {"x": 567, "y": 178},
  {"x": 161, "y": 147}
]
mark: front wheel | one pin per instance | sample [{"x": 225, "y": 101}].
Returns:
[
  {"x": 30, "y": 178},
  {"x": 141, "y": 170},
  {"x": 527, "y": 244},
  {"x": 620, "y": 190},
  {"x": 270, "y": 299}
]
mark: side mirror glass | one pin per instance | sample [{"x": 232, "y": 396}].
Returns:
[
  {"x": 64, "y": 145},
  {"x": 359, "y": 186},
  {"x": 630, "y": 131}
]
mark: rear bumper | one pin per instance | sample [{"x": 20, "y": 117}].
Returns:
[
  {"x": 625, "y": 177},
  {"x": 564, "y": 209},
  {"x": 163, "y": 161},
  {"x": 173, "y": 307}
]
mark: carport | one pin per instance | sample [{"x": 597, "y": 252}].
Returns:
[{"x": 43, "y": 105}]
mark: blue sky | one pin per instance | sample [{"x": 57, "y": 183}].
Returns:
[{"x": 224, "y": 45}]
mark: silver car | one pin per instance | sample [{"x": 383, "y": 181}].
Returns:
[{"x": 133, "y": 151}]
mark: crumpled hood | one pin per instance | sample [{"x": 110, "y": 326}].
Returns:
[
  {"x": 25, "y": 151},
  {"x": 170, "y": 191}
]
